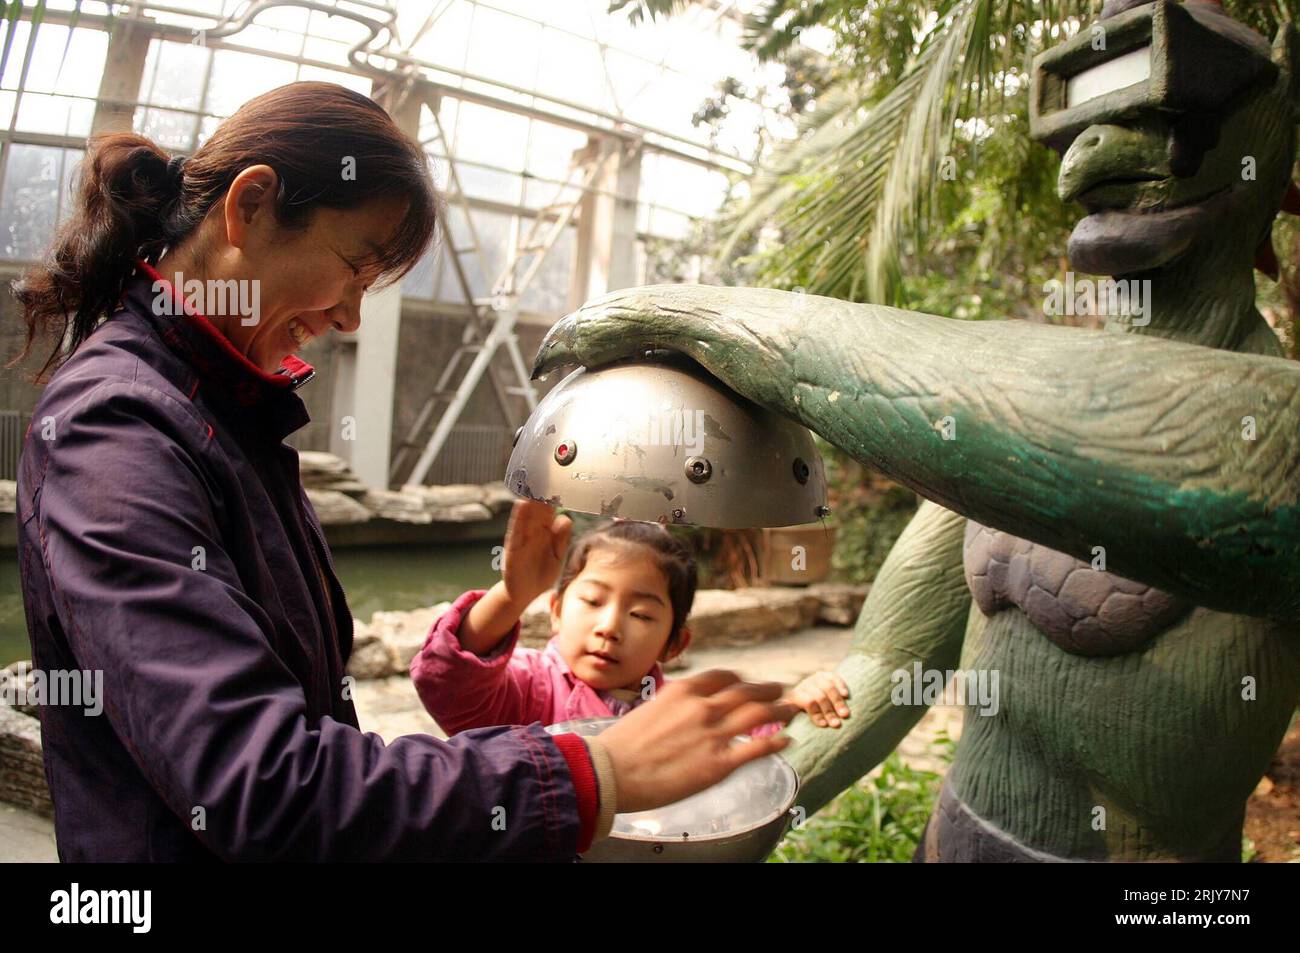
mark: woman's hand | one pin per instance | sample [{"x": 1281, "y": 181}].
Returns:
[
  {"x": 535, "y": 544},
  {"x": 682, "y": 742},
  {"x": 823, "y": 695}
]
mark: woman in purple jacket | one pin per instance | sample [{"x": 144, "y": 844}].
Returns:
[{"x": 165, "y": 539}]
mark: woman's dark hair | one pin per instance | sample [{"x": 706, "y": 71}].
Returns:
[
  {"x": 132, "y": 202},
  {"x": 673, "y": 558}
]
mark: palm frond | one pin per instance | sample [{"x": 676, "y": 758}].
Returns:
[{"x": 857, "y": 185}]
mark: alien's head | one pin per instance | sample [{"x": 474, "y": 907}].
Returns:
[{"x": 1177, "y": 128}]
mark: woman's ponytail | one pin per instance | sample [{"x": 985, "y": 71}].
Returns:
[{"x": 125, "y": 189}]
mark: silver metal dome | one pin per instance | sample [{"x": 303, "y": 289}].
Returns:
[
  {"x": 740, "y": 819},
  {"x": 658, "y": 438}
]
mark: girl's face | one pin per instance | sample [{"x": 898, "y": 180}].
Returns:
[{"x": 615, "y": 618}]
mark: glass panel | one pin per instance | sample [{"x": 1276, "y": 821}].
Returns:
[
  {"x": 418, "y": 282},
  {"x": 447, "y": 41},
  {"x": 666, "y": 223},
  {"x": 548, "y": 293},
  {"x": 170, "y": 129},
  {"x": 261, "y": 37},
  {"x": 327, "y": 51},
  {"x": 36, "y": 196},
  {"x": 504, "y": 48},
  {"x": 572, "y": 70},
  {"x": 360, "y": 84},
  {"x": 206, "y": 128},
  {"x": 551, "y": 148},
  {"x": 668, "y": 105},
  {"x": 339, "y": 29},
  {"x": 489, "y": 184},
  {"x": 54, "y": 114},
  {"x": 491, "y": 136},
  {"x": 238, "y": 77},
  {"x": 538, "y": 194},
  {"x": 631, "y": 76},
  {"x": 494, "y": 233},
  {"x": 685, "y": 186},
  {"x": 78, "y": 74},
  {"x": 173, "y": 74}
]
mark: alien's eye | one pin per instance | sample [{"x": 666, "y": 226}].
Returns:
[{"x": 1119, "y": 73}]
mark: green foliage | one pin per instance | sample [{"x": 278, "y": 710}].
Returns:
[
  {"x": 878, "y": 820},
  {"x": 869, "y": 513},
  {"x": 858, "y": 206}
]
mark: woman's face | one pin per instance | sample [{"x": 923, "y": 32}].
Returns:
[
  {"x": 615, "y": 618},
  {"x": 304, "y": 282}
]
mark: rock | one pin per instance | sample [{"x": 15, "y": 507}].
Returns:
[
  {"x": 460, "y": 513},
  {"x": 841, "y": 602},
  {"x": 404, "y": 633},
  {"x": 371, "y": 657},
  {"x": 22, "y": 768},
  {"x": 498, "y": 497},
  {"x": 323, "y": 471},
  {"x": 535, "y": 625},
  {"x": 451, "y": 494},
  {"x": 745, "y": 616},
  {"x": 399, "y": 506},
  {"x": 334, "y": 508}
]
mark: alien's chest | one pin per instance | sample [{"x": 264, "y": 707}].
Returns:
[{"x": 1082, "y": 610}]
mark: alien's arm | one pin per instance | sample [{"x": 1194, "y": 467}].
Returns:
[
  {"x": 916, "y": 611},
  {"x": 1067, "y": 437}
]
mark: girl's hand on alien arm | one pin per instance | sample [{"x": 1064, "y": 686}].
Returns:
[{"x": 824, "y": 696}]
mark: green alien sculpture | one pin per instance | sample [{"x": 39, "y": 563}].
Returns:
[{"x": 1112, "y": 520}]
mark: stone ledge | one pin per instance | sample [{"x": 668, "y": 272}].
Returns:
[{"x": 22, "y": 768}]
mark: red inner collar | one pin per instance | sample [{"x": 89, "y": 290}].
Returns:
[{"x": 291, "y": 368}]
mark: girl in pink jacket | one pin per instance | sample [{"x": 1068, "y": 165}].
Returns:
[{"x": 618, "y": 612}]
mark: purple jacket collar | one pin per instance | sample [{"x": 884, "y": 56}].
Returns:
[{"x": 266, "y": 400}]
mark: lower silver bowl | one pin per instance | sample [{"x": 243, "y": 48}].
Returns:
[{"x": 740, "y": 819}]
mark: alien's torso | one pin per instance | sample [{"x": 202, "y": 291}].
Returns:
[
  {"x": 1114, "y": 695},
  {"x": 1082, "y": 610}
]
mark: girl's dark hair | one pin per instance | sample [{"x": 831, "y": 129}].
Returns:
[
  {"x": 673, "y": 558},
  {"x": 131, "y": 203}
]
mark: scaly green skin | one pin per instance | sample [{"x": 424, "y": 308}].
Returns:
[{"x": 1072, "y": 439}]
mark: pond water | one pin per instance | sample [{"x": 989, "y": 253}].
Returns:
[{"x": 378, "y": 578}]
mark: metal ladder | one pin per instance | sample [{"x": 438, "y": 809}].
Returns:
[{"x": 493, "y": 319}]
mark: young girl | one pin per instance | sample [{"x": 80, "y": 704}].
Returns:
[{"x": 618, "y": 612}]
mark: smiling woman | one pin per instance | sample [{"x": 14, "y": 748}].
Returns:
[{"x": 167, "y": 545}]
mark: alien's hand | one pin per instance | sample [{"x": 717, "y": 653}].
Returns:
[{"x": 749, "y": 338}]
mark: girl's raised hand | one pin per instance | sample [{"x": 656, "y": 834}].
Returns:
[{"x": 536, "y": 541}]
